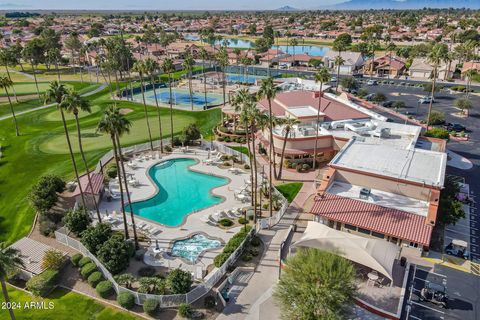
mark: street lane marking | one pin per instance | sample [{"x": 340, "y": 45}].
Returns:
[{"x": 427, "y": 307}]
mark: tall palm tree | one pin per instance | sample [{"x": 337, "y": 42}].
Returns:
[
  {"x": 293, "y": 43},
  {"x": 7, "y": 58},
  {"x": 55, "y": 94},
  {"x": 339, "y": 61},
  {"x": 390, "y": 48},
  {"x": 73, "y": 102},
  {"x": 6, "y": 83},
  {"x": 222, "y": 60},
  {"x": 288, "y": 124},
  {"x": 204, "y": 55},
  {"x": 151, "y": 66},
  {"x": 188, "y": 63},
  {"x": 435, "y": 57},
  {"x": 109, "y": 125},
  {"x": 321, "y": 76},
  {"x": 168, "y": 68},
  {"x": 9, "y": 261},
  {"x": 373, "y": 47},
  {"x": 140, "y": 67},
  {"x": 469, "y": 74},
  {"x": 268, "y": 91}
]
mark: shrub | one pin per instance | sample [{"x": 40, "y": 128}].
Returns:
[
  {"x": 246, "y": 256},
  {"x": 94, "y": 237},
  {"x": 246, "y": 166},
  {"x": 104, "y": 289},
  {"x": 227, "y": 139},
  {"x": 43, "y": 194},
  {"x": 179, "y": 281},
  {"x": 231, "y": 246},
  {"x": 221, "y": 139},
  {"x": 176, "y": 141},
  {"x": 191, "y": 133},
  {"x": 185, "y": 310},
  {"x": 146, "y": 271},
  {"x": 150, "y": 306},
  {"x": 379, "y": 97},
  {"x": 398, "y": 104},
  {"x": 227, "y": 164},
  {"x": 111, "y": 171},
  {"x": 83, "y": 261},
  {"x": 242, "y": 220},
  {"x": 305, "y": 167},
  {"x": 255, "y": 241},
  {"x": 437, "y": 117},
  {"x": 77, "y": 221},
  {"x": 88, "y": 269},
  {"x": 47, "y": 227},
  {"x": 225, "y": 222},
  {"x": 167, "y": 149},
  {"x": 209, "y": 302},
  {"x": 52, "y": 259},
  {"x": 437, "y": 133},
  {"x": 254, "y": 251},
  {"x": 220, "y": 259},
  {"x": 126, "y": 300},
  {"x": 115, "y": 254},
  {"x": 75, "y": 259},
  {"x": 42, "y": 284},
  {"x": 95, "y": 278}
]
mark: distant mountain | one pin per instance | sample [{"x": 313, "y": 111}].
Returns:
[
  {"x": 286, "y": 9},
  {"x": 406, "y": 4}
]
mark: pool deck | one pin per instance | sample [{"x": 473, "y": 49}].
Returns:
[{"x": 193, "y": 223}]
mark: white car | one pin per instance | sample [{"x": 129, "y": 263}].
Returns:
[
  {"x": 333, "y": 79},
  {"x": 425, "y": 99},
  {"x": 372, "y": 83}
]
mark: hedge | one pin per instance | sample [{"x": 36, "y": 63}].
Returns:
[
  {"x": 231, "y": 246},
  {"x": 150, "y": 306},
  {"x": 185, "y": 310},
  {"x": 95, "y": 278},
  {"x": 42, "y": 284},
  {"x": 126, "y": 300},
  {"x": 75, "y": 259},
  {"x": 88, "y": 269},
  {"x": 83, "y": 261},
  {"x": 104, "y": 289}
]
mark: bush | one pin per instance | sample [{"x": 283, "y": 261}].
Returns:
[
  {"x": 220, "y": 259},
  {"x": 179, "y": 281},
  {"x": 77, "y": 221},
  {"x": 47, "y": 227},
  {"x": 176, "y": 141},
  {"x": 95, "y": 278},
  {"x": 111, "y": 171},
  {"x": 437, "y": 133},
  {"x": 43, "y": 194},
  {"x": 42, "y": 284},
  {"x": 254, "y": 251},
  {"x": 150, "y": 306},
  {"x": 255, "y": 241},
  {"x": 88, "y": 269},
  {"x": 227, "y": 139},
  {"x": 94, "y": 237},
  {"x": 52, "y": 259},
  {"x": 242, "y": 220},
  {"x": 104, "y": 289},
  {"x": 225, "y": 222},
  {"x": 398, "y": 104},
  {"x": 379, "y": 97},
  {"x": 458, "y": 88},
  {"x": 227, "y": 164},
  {"x": 221, "y": 139},
  {"x": 83, "y": 261},
  {"x": 185, "y": 310},
  {"x": 246, "y": 166},
  {"x": 126, "y": 300},
  {"x": 167, "y": 149},
  {"x": 246, "y": 256},
  {"x": 231, "y": 246},
  {"x": 115, "y": 254},
  {"x": 305, "y": 167},
  {"x": 75, "y": 259},
  {"x": 209, "y": 302},
  {"x": 146, "y": 271},
  {"x": 437, "y": 118}
]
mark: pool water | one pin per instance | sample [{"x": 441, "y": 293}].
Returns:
[
  {"x": 181, "y": 191},
  {"x": 191, "y": 248},
  {"x": 231, "y": 77},
  {"x": 180, "y": 98}
]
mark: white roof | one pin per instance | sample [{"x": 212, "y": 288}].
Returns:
[
  {"x": 411, "y": 164},
  {"x": 376, "y": 254},
  {"x": 304, "y": 111}
]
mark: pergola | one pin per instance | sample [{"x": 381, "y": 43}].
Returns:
[{"x": 376, "y": 254}]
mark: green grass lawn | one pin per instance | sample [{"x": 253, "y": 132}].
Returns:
[
  {"x": 241, "y": 149},
  {"x": 38, "y": 151},
  {"x": 66, "y": 305},
  {"x": 290, "y": 190},
  {"x": 28, "y": 88}
]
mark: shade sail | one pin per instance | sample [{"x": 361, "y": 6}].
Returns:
[{"x": 376, "y": 254}]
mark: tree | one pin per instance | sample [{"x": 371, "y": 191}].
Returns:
[
  {"x": 450, "y": 209},
  {"x": 373, "y": 46},
  {"x": 140, "y": 67},
  {"x": 349, "y": 83},
  {"x": 9, "y": 261},
  {"x": 321, "y": 76},
  {"x": 339, "y": 61},
  {"x": 222, "y": 60},
  {"x": 379, "y": 97},
  {"x": 95, "y": 236},
  {"x": 34, "y": 52},
  {"x": 191, "y": 133},
  {"x": 435, "y": 57},
  {"x": 188, "y": 64},
  {"x": 43, "y": 195},
  {"x": 8, "y": 58},
  {"x": 315, "y": 285},
  {"x": 463, "y": 104},
  {"x": 55, "y": 94},
  {"x": 204, "y": 55},
  {"x": 288, "y": 124},
  {"x": 73, "y": 43},
  {"x": 179, "y": 281},
  {"x": 77, "y": 221},
  {"x": 341, "y": 43},
  {"x": 469, "y": 75},
  {"x": 52, "y": 259},
  {"x": 268, "y": 90},
  {"x": 115, "y": 254},
  {"x": 73, "y": 102},
  {"x": 125, "y": 279},
  {"x": 6, "y": 83},
  {"x": 168, "y": 68},
  {"x": 151, "y": 66}
]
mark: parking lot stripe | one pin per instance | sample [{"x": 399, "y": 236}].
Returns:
[{"x": 427, "y": 307}]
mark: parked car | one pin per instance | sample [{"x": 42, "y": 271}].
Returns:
[
  {"x": 369, "y": 96},
  {"x": 333, "y": 79},
  {"x": 352, "y": 91},
  {"x": 357, "y": 75},
  {"x": 434, "y": 293},
  {"x": 372, "y": 82},
  {"x": 387, "y": 104},
  {"x": 425, "y": 99},
  {"x": 457, "y": 127},
  {"x": 283, "y": 66}
]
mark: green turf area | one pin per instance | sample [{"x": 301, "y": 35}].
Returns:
[
  {"x": 241, "y": 149},
  {"x": 290, "y": 190},
  {"x": 24, "y": 159},
  {"x": 28, "y": 88},
  {"x": 66, "y": 305}
]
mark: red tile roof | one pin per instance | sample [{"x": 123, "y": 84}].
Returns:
[
  {"x": 389, "y": 221},
  {"x": 97, "y": 184}
]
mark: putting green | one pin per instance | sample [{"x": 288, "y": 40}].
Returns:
[{"x": 55, "y": 116}]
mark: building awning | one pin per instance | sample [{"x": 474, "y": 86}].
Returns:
[
  {"x": 95, "y": 188},
  {"x": 389, "y": 221},
  {"x": 376, "y": 254}
]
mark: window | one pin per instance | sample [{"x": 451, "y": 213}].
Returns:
[
  {"x": 378, "y": 235},
  {"x": 350, "y": 227},
  {"x": 363, "y": 230}
]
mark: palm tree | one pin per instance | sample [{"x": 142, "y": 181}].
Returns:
[
  {"x": 140, "y": 67},
  {"x": 268, "y": 91},
  {"x": 168, "y": 68},
  {"x": 222, "y": 59},
  {"x": 321, "y": 76},
  {"x": 151, "y": 66},
  {"x": 288, "y": 124},
  {"x": 293, "y": 43},
  {"x": 435, "y": 57},
  {"x": 373, "y": 46},
  {"x": 7, "y": 58},
  {"x": 204, "y": 56},
  {"x": 390, "y": 48},
  {"x": 9, "y": 261},
  {"x": 73, "y": 102},
  {"x": 469, "y": 74},
  {"x": 55, "y": 94},
  {"x": 188, "y": 63},
  {"x": 339, "y": 61},
  {"x": 6, "y": 83},
  {"x": 109, "y": 124}
]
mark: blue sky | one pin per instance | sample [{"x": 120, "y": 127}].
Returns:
[{"x": 161, "y": 4}]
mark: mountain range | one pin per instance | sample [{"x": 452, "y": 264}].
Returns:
[{"x": 405, "y": 4}]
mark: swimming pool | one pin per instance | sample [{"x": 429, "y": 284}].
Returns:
[
  {"x": 181, "y": 191},
  {"x": 232, "y": 77},
  {"x": 180, "y": 98},
  {"x": 191, "y": 248}
]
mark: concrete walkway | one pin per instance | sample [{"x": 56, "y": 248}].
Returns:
[
  {"x": 255, "y": 301},
  {"x": 103, "y": 86}
]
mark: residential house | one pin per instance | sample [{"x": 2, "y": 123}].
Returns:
[
  {"x": 353, "y": 61},
  {"x": 384, "y": 66}
]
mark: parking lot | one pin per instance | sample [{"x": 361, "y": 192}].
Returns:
[{"x": 462, "y": 291}]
